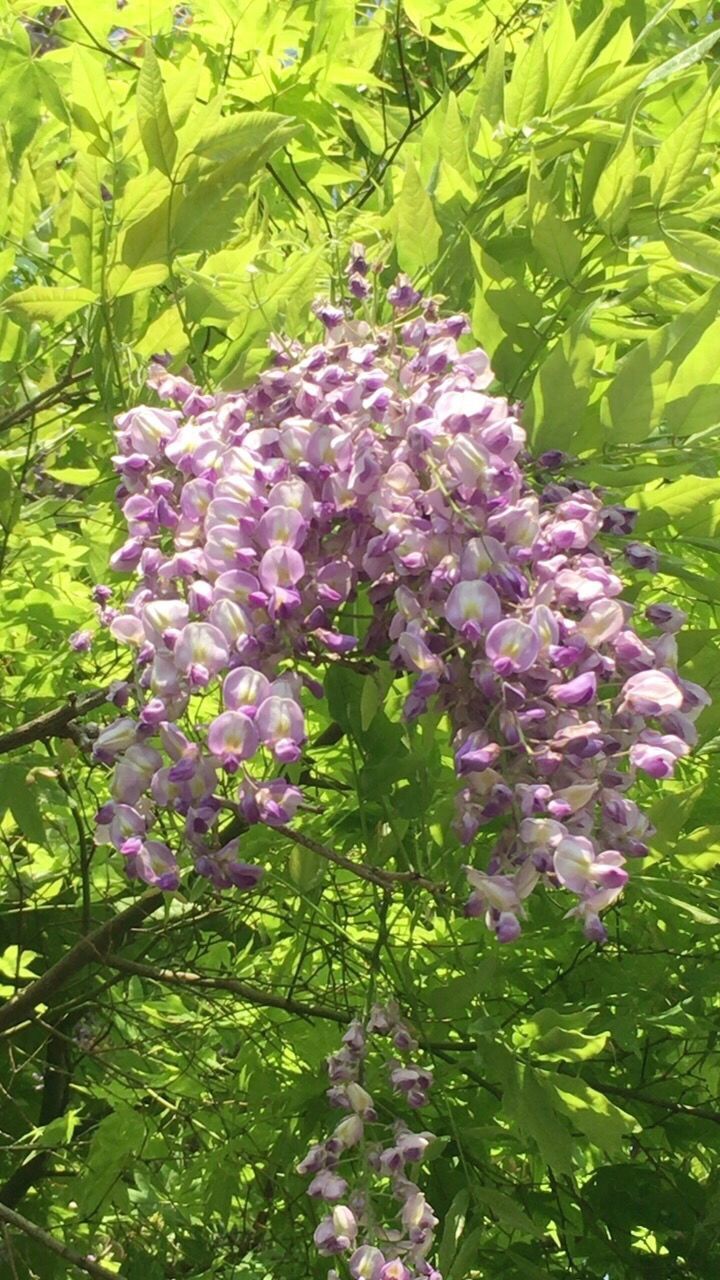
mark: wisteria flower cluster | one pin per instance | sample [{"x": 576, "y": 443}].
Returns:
[
  {"x": 377, "y": 461},
  {"x": 382, "y": 1189}
]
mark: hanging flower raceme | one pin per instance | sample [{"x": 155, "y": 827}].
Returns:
[
  {"x": 377, "y": 460},
  {"x": 377, "y": 1224}
]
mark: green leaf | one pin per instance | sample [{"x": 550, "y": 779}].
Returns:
[
  {"x": 688, "y": 504},
  {"x": 87, "y": 224},
  {"x": 681, "y": 61},
  {"x": 693, "y": 249},
  {"x": 525, "y": 95},
  {"x": 562, "y": 89},
  {"x": 603, "y": 1123},
  {"x": 58, "y": 1132},
  {"x": 21, "y": 798},
  {"x": 370, "y": 701},
  {"x": 453, "y": 1228},
  {"x": 117, "y": 1140},
  {"x": 556, "y": 244},
  {"x": 550, "y": 1034},
  {"x": 693, "y": 397},
  {"x": 306, "y": 868},
  {"x": 90, "y": 102},
  {"x": 507, "y": 1211},
  {"x": 49, "y": 302},
  {"x": 463, "y": 1263},
  {"x": 558, "y": 399},
  {"x": 677, "y": 155},
  {"x": 417, "y": 235},
  {"x": 613, "y": 194},
  {"x": 248, "y": 140},
  {"x": 532, "y": 1107},
  {"x": 74, "y": 475},
  {"x": 491, "y": 94},
  {"x": 634, "y": 403},
  {"x": 156, "y": 132}
]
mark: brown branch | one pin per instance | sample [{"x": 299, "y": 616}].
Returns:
[
  {"x": 385, "y": 879},
  {"x": 203, "y": 983},
  {"x": 36, "y": 1233},
  {"x": 87, "y": 951},
  {"x": 53, "y": 1103},
  {"x": 615, "y": 1090},
  {"x": 53, "y": 724},
  {"x": 44, "y": 400},
  {"x": 672, "y": 1108}
]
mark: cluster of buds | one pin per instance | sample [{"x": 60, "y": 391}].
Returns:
[
  {"x": 377, "y": 460},
  {"x": 367, "y": 1183}
]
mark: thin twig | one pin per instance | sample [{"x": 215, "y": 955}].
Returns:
[
  {"x": 403, "y": 68},
  {"x": 617, "y": 1091},
  {"x": 36, "y": 1233},
  {"x": 201, "y": 982},
  {"x": 385, "y": 879}
]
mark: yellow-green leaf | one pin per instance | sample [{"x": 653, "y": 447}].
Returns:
[
  {"x": 613, "y": 194},
  {"x": 49, "y": 302},
  {"x": 156, "y": 132},
  {"x": 418, "y": 234},
  {"x": 525, "y": 95},
  {"x": 677, "y": 155}
]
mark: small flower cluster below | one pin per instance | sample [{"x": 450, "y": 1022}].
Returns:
[{"x": 377, "y": 1218}]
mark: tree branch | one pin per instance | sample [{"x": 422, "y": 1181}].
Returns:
[
  {"x": 36, "y": 1233},
  {"x": 385, "y": 879},
  {"x": 87, "y": 951},
  {"x": 613, "y": 1090},
  {"x": 672, "y": 1108},
  {"x": 54, "y": 1100},
  {"x": 202, "y": 983},
  {"x": 43, "y": 400},
  {"x": 53, "y": 724}
]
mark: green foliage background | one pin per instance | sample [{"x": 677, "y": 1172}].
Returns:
[{"x": 188, "y": 179}]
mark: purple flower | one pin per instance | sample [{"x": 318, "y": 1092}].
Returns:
[
  {"x": 200, "y": 653},
  {"x": 658, "y": 753},
  {"x": 578, "y": 866},
  {"x": 575, "y": 693},
  {"x": 472, "y": 608},
  {"x": 281, "y": 726},
  {"x": 375, "y": 467},
  {"x": 327, "y": 1186},
  {"x": 274, "y": 803},
  {"x": 232, "y": 737},
  {"x": 155, "y": 864},
  {"x": 641, "y": 556},
  {"x": 651, "y": 693},
  {"x": 366, "y": 1263},
  {"x": 81, "y": 641},
  {"x": 402, "y": 295},
  {"x": 511, "y": 646}
]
